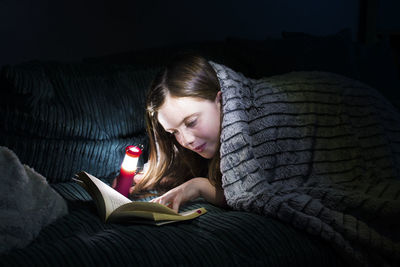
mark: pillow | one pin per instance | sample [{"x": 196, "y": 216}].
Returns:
[{"x": 62, "y": 118}]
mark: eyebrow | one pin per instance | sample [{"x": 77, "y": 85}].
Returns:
[{"x": 183, "y": 120}]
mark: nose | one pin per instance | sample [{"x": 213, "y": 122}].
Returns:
[{"x": 187, "y": 138}]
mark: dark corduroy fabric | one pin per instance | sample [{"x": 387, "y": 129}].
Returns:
[
  {"x": 218, "y": 238},
  {"x": 62, "y": 118}
]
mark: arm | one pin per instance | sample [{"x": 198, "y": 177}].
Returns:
[{"x": 190, "y": 190}]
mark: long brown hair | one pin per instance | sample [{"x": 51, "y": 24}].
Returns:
[{"x": 170, "y": 164}]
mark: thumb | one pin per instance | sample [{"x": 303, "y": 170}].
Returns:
[{"x": 114, "y": 183}]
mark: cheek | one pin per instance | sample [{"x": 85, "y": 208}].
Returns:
[
  {"x": 215, "y": 133},
  {"x": 179, "y": 140},
  {"x": 209, "y": 132},
  {"x": 214, "y": 128}
]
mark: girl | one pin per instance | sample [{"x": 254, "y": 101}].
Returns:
[
  {"x": 183, "y": 119},
  {"x": 315, "y": 150}
]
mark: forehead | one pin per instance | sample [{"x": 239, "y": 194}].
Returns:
[{"x": 176, "y": 109}]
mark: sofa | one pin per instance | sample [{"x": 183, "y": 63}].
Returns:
[{"x": 62, "y": 117}]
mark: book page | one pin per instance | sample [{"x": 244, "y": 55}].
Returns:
[
  {"x": 147, "y": 206},
  {"x": 113, "y": 206},
  {"x": 112, "y": 198},
  {"x": 126, "y": 215}
]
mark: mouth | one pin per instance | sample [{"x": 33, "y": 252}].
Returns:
[{"x": 200, "y": 148}]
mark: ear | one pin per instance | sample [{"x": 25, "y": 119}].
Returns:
[{"x": 218, "y": 98}]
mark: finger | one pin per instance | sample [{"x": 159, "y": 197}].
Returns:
[
  {"x": 165, "y": 202},
  {"x": 176, "y": 204},
  {"x": 154, "y": 199},
  {"x": 160, "y": 200},
  {"x": 114, "y": 183}
]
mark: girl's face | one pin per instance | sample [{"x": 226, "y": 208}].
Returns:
[{"x": 195, "y": 122}]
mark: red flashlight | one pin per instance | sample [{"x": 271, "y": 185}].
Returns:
[{"x": 128, "y": 169}]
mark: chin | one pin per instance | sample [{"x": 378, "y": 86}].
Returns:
[{"x": 207, "y": 155}]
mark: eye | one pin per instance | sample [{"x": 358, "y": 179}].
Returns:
[{"x": 191, "y": 123}]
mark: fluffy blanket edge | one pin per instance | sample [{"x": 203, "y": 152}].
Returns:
[{"x": 27, "y": 202}]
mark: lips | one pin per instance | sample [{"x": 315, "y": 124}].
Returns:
[{"x": 200, "y": 148}]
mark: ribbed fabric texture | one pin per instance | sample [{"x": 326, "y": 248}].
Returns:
[
  {"x": 218, "y": 238},
  {"x": 61, "y": 118},
  {"x": 318, "y": 151}
]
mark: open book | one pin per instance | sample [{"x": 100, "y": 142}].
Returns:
[{"x": 114, "y": 207}]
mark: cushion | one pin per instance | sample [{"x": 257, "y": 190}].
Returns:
[{"x": 61, "y": 118}]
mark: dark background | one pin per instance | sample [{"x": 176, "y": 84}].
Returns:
[{"x": 75, "y": 29}]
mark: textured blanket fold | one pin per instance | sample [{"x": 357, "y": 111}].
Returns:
[{"x": 318, "y": 151}]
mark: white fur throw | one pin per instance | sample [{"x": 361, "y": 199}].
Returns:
[{"x": 27, "y": 202}]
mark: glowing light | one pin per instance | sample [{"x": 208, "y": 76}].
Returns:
[
  {"x": 129, "y": 164},
  {"x": 128, "y": 169}
]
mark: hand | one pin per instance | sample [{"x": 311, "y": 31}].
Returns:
[
  {"x": 136, "y": 179},
  {"x": 114, "y": 183},
  {"x": 190, "y": 190},
  {"x": 183, "y": 193}
]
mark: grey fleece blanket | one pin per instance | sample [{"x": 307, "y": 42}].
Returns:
[
  {"x": 27, "y": 202},
  {"x": 318, "y": 151}
]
